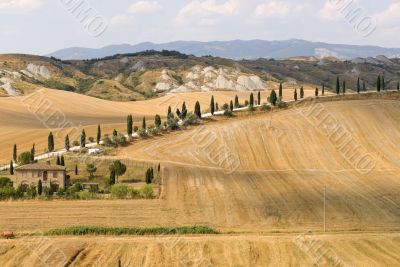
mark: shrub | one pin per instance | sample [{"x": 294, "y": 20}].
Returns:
[
  {"x": 265, "y": 107},
  {"x": 85, "y": 195},
  {"x": 228, "y": 113},
  {"x": 24, "y": 158},
  {"x": 119, "y": 140},
  {"x": 133, "y": 193},
  {"x": 5, "y": 182},
  {"x": 147, "y": 192},
  {"x": 119, "y": 191},
  {"x": 142, "y": 132},
  {"x": 75, "y": 143},
  {"x": 172, "y": 124},
  {"x": 7, "y": 193},
  {"x": 78, "y": 186},
  {"x": 282, "y": 104},
  {"x": 31, "y": 192},
  {"x": 91, "y": 139},
  {"x": 191, "y": 119},
  {"x": 154, "y": 130},
  {"x": 61, "y": 192}
]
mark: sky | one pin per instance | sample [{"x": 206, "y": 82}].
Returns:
[{"x": 44, "y": 26}]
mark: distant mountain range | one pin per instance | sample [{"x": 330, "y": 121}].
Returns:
[{"x": 237, "y": 49}]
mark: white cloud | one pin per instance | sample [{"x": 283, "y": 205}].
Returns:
[
  {"x": 389, "y": 17},
  {"x": 119, "y": 20},
  {"x": 144, "y": 7},
  {"x": 11, "y": 6},
  {"x": 275, "y": 9},
  {"x": 207, "y": 12},
  {"x": 330, "y": 11}
]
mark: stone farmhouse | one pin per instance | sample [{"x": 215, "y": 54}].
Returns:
[{"x": 52, "y": 176}]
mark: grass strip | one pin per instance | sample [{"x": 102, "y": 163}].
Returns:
[{"x": 96, "y": 230}]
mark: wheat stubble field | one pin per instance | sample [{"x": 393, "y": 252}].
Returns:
[{"x": 273, "y": 196}]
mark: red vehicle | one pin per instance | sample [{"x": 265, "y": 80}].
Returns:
[{"x": 8, "y": 235}]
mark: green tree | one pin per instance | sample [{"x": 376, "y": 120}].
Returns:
[
  {"x": 62, "y": 161},
  {"x": 33, "y": 151},
  {"x": 344, "y": 87},
  {"x": 295, "y": 95},
  {"x": 91, "y": 169},
  {"x": 231, "y": 105},
  {"x": 280, "y": 90},
  {"x": 129, "y": 125},
  {"x": 157, "y": 121},
  {"x": 76, "y": 169},
  {"x": 398, "y": 86},
  {"x": 197, "y": 110},
  {"x": 40, "y": 188},
  {"x": 119, "y": 169},
  {"x": 272, "y": 97},
  {"x": 378, "y": 83},
  {"x": 112, "y": 177},
  {"x": 259, "y": 98},
  {"x": 15, "y": 155},
  {"x": 149, "y": 176},
  {"x": 364, "y": 86},
  {"x": 358, "y": 85},
  {"x": 316, "y": 91},
  {"x": 184, "y": 111},
  {"x": 5, "y": 182},
  {"x": 67, "y": 143},
  {"x": 58, "y": 161},
  {"x": 115, "y": 133},
  {"x": 301, "y": 92},
  {"x": 237, "y": 105},
  {"x": 178, "y": 113},
  {"x": 323, "y": 89},
  {"x": 98, "y": 137},
  {"x": 24, "y": 158},
  {"x": 212, "y": 105},
  {"x": 251, "y": 101},
  {"x": 11, "y": 168},
  {"x": 83, "y": 138},
  {"x": 144, "y": 123},
  {"x": 169, "y": 114},
  {"x": 50, "y": 142},
  {"x": 337, "y": 85},
  {"x": 383, "y": 83}
]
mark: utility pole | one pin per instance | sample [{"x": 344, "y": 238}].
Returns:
[{"x": 324, "y": 209}]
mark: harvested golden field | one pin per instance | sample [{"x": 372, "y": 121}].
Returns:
[
  {"x": 226, "y": 250},
  {"x": 29, "y": 119}
]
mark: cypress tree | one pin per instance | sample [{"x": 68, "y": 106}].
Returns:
[
  {"x": 197, "y": 110},
  {"x": 316, "y": 91},
  {"x": 115, "y": 133},
  {"x": 378, "y": 84},
  {"x": 216, "y": 106},
  {"x": 112, "y": 177},
  {"x": 323, "y": 89},
  {"x": 383, "y": 83},
  {"x": 159, "y": 167},
  {"x": 15, "y": 155},
  {"x": 259, "y": 98},
  {"x": 129, "y": 125},
  {"x": 83, "y": 138},
  {"x": 212, "y": 105},
  {"x": 301, "y": 92},
  {"x": 98, "y": 137},
  {"x": 295, "y": 95},
  {"x": 344, "y": 87},
  {"x": 39, "y": 188},
  {"x": 157, "y": 121},
  {"x": 50, "y": 142},
  {"x": 67, "y": 143},
  {"x": 364, "y": 86},
  {"x": 337, "y": 85},
  {"x": 398, "y": 86},
  {"x": 76, "y": 169},
  {"x": 62, "y": 161},
  {"x": 58, "y": 160},
  {"x": 144, "y": 123},
  {"x": 169, "y": 114},
  {"x": 231, "y": 106},
  {"x": 272, "y": 97},
  {"x": 148, "y": 178},
  {"x": 280, "y": 90},
  {"x": 11, "y": 168},
  {"x": 251, "y": 102},
  {"x": 33, "y": 151},
  {"x": 178, "y": 113},
  {"x": 184, "y": 111},
  {"x": 358, "y": 85},
  {"x": 237, "y": 101}
]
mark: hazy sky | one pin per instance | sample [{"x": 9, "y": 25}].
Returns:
[{"x": 43, "y": 26}]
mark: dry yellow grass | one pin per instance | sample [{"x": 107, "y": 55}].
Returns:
[{"x": 29, "y": 119}]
